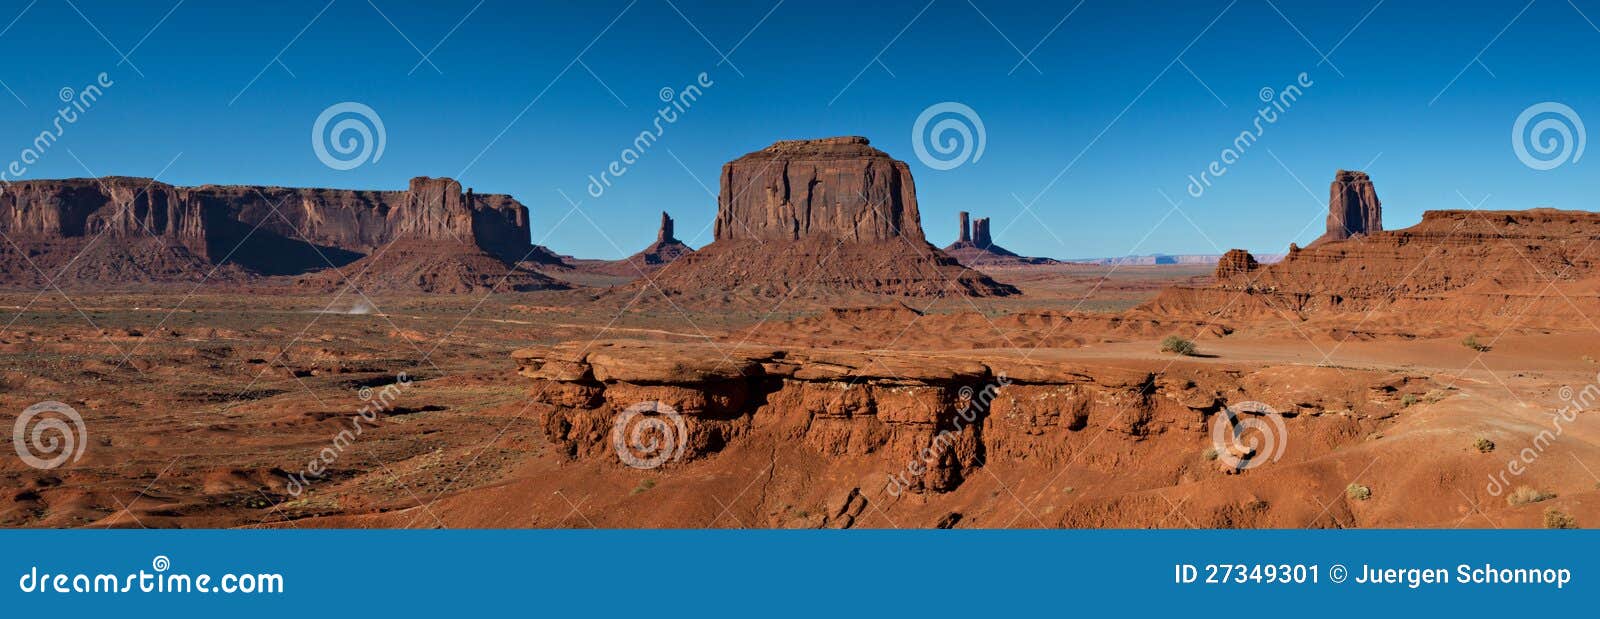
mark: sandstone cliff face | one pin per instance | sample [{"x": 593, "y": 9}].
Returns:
[
  {"x": 211, "y": 221},
  {"x": 1353, "y": 207},
  {"x": 838, "y": 188},
  {"x": 919, "y": 422},
  {"x": 1236, "y": 262},
  {"x": 830, "y": 218}
]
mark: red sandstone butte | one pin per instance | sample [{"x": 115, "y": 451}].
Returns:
[{"x": 1353, "y": 207}]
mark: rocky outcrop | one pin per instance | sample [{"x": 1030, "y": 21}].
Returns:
[
  {"x": 260, "y": 229},
  {"x": 921, "y": 422},
  {"x": 1235, "y": 262},
  {"x": 665, "y": 233},
  {"x": 666, "y": 250},
  {"x": 980, "y": 233},
  {"x": 820, "y": 218},
  {"x": 1500, "y": 269},
  {"x": 1353, "y": 207},
  {"x": 839, "y": 188},
  {"x": 975, "y": 247}
]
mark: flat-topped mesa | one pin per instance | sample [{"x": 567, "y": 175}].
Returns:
[
  {"x": 839, "y": 188},
  {"x": 1456, "y": 269},
  {"x": 265, "y": 229},
  {"x": 1353, "y": 207}
]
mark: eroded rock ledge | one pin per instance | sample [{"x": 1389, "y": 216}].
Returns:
[{"x": 899, "y": 411}]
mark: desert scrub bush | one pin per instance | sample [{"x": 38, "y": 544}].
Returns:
[
  {"x": 644, "y": 486},
  {"x": 1556, "y": 519},
  {"x": 1407, "y": 400},
  {"x": 1483, "y": 445},
  {"x": 1358, "y": 492},
  {"x": 1524, "y": 495},
  {"x": 1211, "y": 453},
  {"x": 1178, "y": 345},
  {"x": 1472, "y": 342}
]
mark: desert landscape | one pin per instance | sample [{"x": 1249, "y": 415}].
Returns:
[{"x": 253, "y": 356}]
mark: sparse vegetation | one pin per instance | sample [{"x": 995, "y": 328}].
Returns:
[
  {"x": 1211, "y": 453},
  {"x": 1524, "y": 495},
  {"x": 1556, "y": 519},
  {"x": 1407, "y": 400},
  {"x": 644, "y": 485},
  {"x": 1357, "y": 492},
  {"x": 1483, "y": 445},
  {"x": 1178, "y": 345},
  {"x": 1472, "y": 342}
]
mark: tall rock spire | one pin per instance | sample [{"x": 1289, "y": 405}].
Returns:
[{"x": 1353, "y": 207}]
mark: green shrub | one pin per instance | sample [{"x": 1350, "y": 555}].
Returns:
[
  {"x": 1407, "y": 400},
  {"x": 1484, "y": 445},
  {"x": 1175, "y": 344},
  {"x": 1473, "y": 343},
  {"x": 1555, "y": 519},
  {"x": 1358, "y": 492}
]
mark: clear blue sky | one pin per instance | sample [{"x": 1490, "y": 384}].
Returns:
[{"x": 1106, "y": 94}]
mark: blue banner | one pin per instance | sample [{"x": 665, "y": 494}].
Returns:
[{"x": 761, "y": 573}]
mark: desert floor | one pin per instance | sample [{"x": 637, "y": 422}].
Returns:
[{"x": 201, "y": 411}]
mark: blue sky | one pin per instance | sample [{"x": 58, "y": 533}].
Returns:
[{"x": 1106, "y": 118}]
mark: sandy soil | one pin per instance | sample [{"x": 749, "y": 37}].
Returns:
[{"x": 209, "y": 410}]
